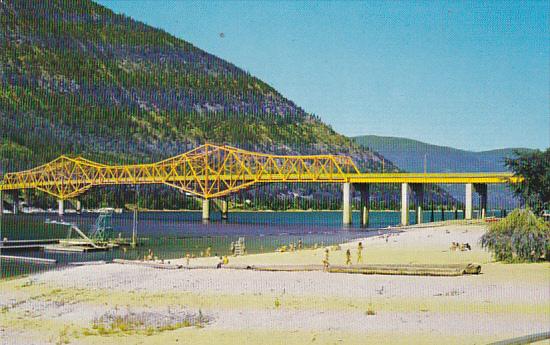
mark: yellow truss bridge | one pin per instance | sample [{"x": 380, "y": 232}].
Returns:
[{"x": 212, "y": 171}]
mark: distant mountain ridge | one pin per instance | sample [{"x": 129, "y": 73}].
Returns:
[{"x": 409, "y": 154}]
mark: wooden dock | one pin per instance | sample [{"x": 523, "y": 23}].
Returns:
[
  {"x": 72, "y": 248},
  {"x": 23, "y": 242},
  {"x": 29, "y": 259},
  {"x": 26, "y": 244}
]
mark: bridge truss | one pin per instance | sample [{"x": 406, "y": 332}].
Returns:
[{"x": 208, "y": 171}]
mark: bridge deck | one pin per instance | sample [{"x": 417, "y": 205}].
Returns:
[
  {"x": 445, "y": 178},
  {"x": 211, "y": 171}
]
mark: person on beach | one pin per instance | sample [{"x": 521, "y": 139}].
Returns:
[
  {"x": 233, "y": 248},
  {"x": 208, "y": 252},
  {"x": 348, "y": 257},
  {"x": 360, "y": 253},
  {"x": 187, "y": 257},
  {"x": 300, "y": 244},
  {"x": 325, "y": 260},
  {"x": 225, "y": 260},
  {"x": 220, "y": 263}
]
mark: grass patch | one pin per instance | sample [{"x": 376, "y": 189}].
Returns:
[{"x": 145, "y": 322}]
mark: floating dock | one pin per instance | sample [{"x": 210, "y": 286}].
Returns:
[
  {"x": 25, "y": 244},
  {"x": 77, "y": 247},
  {"x": 29, "y": 259}
]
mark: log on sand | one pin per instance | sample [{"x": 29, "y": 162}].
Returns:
[
  {"x": 147, "y": 264},
  {"x": 410, "y": 269},
  {"x": 391, "y": 269}
]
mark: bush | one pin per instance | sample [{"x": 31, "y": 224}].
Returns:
[{"x": 520, "y": 237}]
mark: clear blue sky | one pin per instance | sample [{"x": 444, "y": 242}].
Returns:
[{"x": 472, "y": 75}]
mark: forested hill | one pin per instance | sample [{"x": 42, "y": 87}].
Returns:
[
  {"x": 409, "y": 154},
  {"x": 76, "y": 78}
]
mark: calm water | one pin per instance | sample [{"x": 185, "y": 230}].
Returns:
[{"x": 173, "y": 234}]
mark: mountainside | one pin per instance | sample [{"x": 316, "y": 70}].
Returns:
[
  {"x": 409, "y": 154},
  {"x": 77, "y": 78}
]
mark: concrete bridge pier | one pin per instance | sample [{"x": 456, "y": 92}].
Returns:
[
  {"x": 205, "y": 210},
  {"x": 404, "y": 204},
  {"x": 481, "y": 189},
  {"x": 1, "y": 202},
  {"x": 60, "y": 207},
  {"x": 78, "y": 207},
  {"x": 418, "y": 190},
  {"x": 346, "y": 204},
  {"x": 224, "y": 209},
  {"x": 364, "y": 189},
  {"x": 468, "y": 201},
  {"x": 15, "y": 197}
]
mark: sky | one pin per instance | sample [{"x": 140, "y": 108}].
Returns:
[{"x": 471, "y": 75}]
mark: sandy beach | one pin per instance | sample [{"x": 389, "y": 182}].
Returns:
[{"x": 251, "y": 307}]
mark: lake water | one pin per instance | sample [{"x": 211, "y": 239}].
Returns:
[{"x": 173, "y": 234}]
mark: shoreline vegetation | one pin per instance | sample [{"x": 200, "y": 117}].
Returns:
[{"x": 128, "y": 304}]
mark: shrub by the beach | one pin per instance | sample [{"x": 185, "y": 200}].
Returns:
[{"x": 520, "y": 237}]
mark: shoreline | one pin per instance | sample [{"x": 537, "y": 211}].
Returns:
[
  {"x": 504, "y": 301},
  {"x": 69, "y": 211}
]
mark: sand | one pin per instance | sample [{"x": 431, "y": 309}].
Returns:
[{"x": 250, "y": 307}]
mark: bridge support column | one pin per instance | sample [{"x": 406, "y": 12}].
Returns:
[
  {"x": 1, "y": 203},
  {"x": 346, "y": 204},
  {"x": 481, "y": 189},
  {"x": 205, "y": 210},
  {"x": 60, "y": 207},
  {"x": 404, "y": 204},
  {"x": 133, "y": 244},
  {"x": 224, "y": 209},
  {"x": 78, "y": 207},
  {"x": 418, "y": 190},
  {"x": 15, "y": 202},
  {"x": 364, "y": 189},
  {"x": 468, "y": 202}
]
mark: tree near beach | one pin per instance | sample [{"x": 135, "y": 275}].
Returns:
[
  {"x": 520, "y": 237},
  {"x": 534, "y": 166},
  {"x": 523, "y": 235}
]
